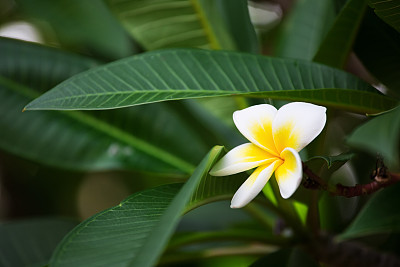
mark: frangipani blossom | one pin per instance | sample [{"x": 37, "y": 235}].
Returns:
[{"x": 276, "y": 137}]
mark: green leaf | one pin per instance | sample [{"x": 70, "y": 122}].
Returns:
[
  {"x": 135, "y": 232},
  {"x": 377, "y": 46},
  {"x": 31, "y": 242},
  {"x": 384, "y": 130},
  {"x": 236, "y": 15},
  {"x": 161, "y": 24},
  {"x": 99, "y": 140},
  {"x": 128, "y": 139},
  {"x": 330, "y": 162},
  {"x": 381, "y": 214},
  {"x": 37, "y": 66},
  {"x": 304, "y": 28},
  {"x": 337, "y": 44},
  {"x": 184, "y": 73},
  {"x": 81, "y": 24},
  {"x": 388, "y": 11}
]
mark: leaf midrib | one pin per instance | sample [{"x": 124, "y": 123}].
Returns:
[{"x": 110, "y": 130}]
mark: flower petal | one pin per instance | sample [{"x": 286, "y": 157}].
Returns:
[
  {"x": 255, "y": 123},
  {"x": 241, "y": 158},
  {"x": 254, "y": 184},
  {"x": 289, "y": 174},
  {"x": 297, "y": 124}
]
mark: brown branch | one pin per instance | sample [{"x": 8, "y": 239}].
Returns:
[{"x": 381, "y": 179}]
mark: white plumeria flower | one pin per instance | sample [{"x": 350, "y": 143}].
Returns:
[{"x": 276, "y": 137}]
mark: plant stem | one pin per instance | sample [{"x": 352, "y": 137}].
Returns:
[{"x": 382, "y": 179}]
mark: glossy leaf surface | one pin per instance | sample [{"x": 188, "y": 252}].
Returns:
[
  {"x": 135, "y": 232},
  {"x": 183, "y": 73}
]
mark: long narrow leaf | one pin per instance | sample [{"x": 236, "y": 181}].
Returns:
[
  {"x": 337, "y": 44},
  {"x": 91, "y": 141},
  {"x": 184, "y": 73},
  {"x": 135, "y": 232},
  {"x": 37, "y": 66},
  {"x": 77, "y": 140},
  {"x": 236, "y": 15},
  {"x": 159, "y": 24},
  {"x": 81, "y": 24},
  {"x": 304, "y": 28}
]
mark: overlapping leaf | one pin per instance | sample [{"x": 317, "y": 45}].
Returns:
[
  {"x": 237, "y": 18},
  {"x": 128, "y": 138},
  {"x": 184, "y": 73},
  {"x": 135, "y": 232},
  {"x": 338, "y": 42},
  {"x": 159, "y": 24},
  {"x": 83, "y": 142},
  {"x": 304, "y": 28},
  {"x": 81, "y": 25},
  {"x": 39, "y": 67}
]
